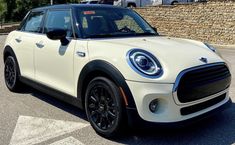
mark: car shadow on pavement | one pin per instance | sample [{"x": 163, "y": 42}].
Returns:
[
  {"x": 215, "y": 130},
  {"x": 56, "y": 102}
]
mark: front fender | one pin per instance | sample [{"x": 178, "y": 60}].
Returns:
[{"x": 99, "y": 67}]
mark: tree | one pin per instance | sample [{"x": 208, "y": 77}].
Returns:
[
  {"x": 2, "y": 10},
  {"x": 15, "y": 10},
  {"x": 23, "y": 6},
  {"x": 10, "y": 5}
]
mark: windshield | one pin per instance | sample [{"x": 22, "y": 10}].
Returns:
[{"x": 112, "y": 22}]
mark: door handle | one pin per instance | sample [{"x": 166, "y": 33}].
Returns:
[
  {"x": 81, "y": 54},
  {"x": 18, "y": 40},
  {"x": 40, "y": 44}
]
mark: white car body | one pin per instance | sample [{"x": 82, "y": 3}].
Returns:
[
  {"x": 47, "y": 62},
  {"x": 174, "y": 54}
]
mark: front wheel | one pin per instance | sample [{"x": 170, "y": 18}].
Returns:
[
  {"x": 11, "y": 74},
  {"x": 104, "y": 107}
]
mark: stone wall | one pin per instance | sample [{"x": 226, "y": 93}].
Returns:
[{"x": 212, "y": 22}]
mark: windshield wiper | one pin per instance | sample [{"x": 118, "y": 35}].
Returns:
[
  {"x": 147, "y": 34},
  {"x": 100, "y": 35},
  {"x": 121, "y": 35}
]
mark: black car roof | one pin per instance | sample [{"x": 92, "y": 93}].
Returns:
[{"x": 66, "y": 6}]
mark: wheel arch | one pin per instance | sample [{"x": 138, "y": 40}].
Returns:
[
  {"x": 98, "y": 68},
  {"x": 8, "y": 51}
]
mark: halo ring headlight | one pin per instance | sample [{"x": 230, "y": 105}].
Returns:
[{"x": 144, "y": 63}]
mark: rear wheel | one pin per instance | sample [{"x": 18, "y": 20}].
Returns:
[
  {"x": 104, "y": 107},
  {"x": 11, "y": 74}
]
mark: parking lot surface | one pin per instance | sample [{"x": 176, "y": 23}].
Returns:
[{"x": 32, "y": 117}]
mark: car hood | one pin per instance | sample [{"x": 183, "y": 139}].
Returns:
[{"x": 174, "y": 54}]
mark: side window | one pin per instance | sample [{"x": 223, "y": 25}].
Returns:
[
  {"x": 59, "y": 19},
  {"x": 33, "y": 22},
  {"x": 22, "y": 24}
]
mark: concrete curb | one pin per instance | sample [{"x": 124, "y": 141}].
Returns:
[
  {"x": 4, "y": 33},
  {"x": 224, "y": 46}
]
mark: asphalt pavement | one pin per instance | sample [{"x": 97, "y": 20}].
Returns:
[{"x": 32, "y": 117}]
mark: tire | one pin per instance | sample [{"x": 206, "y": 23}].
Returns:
[
  {"x": 104, "y": 107},
  {"x": 11, "y": 74}
]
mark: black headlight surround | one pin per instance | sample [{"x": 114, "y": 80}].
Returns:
[{"x": 133, "y": 65}]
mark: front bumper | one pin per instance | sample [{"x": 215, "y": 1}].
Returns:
[
  {"x": 135, "y": 120},
  {"x": 168, "y": 110}
]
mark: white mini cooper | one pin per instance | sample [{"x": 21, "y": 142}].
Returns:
[{"x": 112, "y": 63}]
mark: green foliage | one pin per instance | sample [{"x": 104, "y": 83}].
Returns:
[
  {"x": 10, "y": 5},
  {"x": 2, "y": 9},
  {"x": 15, "y": 10},
  {"x": 21, "y": 9}
]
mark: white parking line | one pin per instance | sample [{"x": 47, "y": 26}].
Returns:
[
  {"x": 32, "y": 130},
  {"x": 68, "y": 141}
]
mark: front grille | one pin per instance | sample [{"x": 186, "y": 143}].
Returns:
[
  {"x": 202, "y": 82},
  {"x": 201, "y": 106}
]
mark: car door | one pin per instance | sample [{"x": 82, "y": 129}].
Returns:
[
  {"x": 25, "y": 39},
  {"x": 53, "y": 61}
]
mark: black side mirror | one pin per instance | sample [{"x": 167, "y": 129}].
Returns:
[{"x": 58, "y": 34}]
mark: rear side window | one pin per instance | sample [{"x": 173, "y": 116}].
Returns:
[
  {"x": 59, "y": 19},
  {"x": 34, "y": 22}
]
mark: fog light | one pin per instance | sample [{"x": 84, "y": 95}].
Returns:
[{"x": 153, "y": 106}]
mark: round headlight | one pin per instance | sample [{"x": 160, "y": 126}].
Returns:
[{"x": 144, "y": 63}]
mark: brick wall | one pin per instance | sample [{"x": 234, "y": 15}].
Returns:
[{"x": 212, "y": 22}]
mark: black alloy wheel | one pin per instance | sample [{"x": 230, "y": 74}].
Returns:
[
  {"x": 11, "y": 74},
  {"x": 104, "y": 107}
]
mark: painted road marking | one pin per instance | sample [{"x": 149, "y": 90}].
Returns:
[
  {"x": 68, "y": 141},
  {"x": 32, "y": 130}
]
